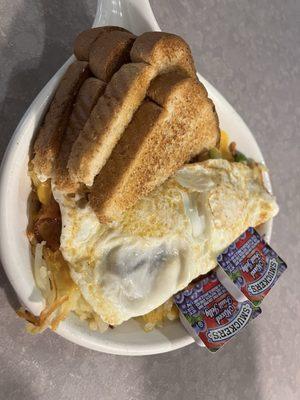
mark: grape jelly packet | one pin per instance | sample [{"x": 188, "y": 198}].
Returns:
[
  {"x": 215, "y": 307},
  {"x": 252, "y": 265},
  {"x": 211, "y": 314}
]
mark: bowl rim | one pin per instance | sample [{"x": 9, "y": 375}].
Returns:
[{"x": 7, "y": 257}]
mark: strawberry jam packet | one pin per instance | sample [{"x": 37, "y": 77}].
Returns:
[
  {"x": 211, "y": 314},
  {"x": 252, "y": 265}
]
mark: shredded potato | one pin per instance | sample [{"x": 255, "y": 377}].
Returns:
[
  {"x": 156, "y": 318},
  {"x": 62, "y": 296}
]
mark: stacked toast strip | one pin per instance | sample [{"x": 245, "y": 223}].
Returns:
[
  {"x": 151, "y": 54},
  {"x": 47, "y": 144},
  {"x": 171, "y": 126},
  {"x": 108, "y": 120},
  {"x": 85, "y": 40},
  {"x": 165, "y": 52},
  {"x": 51, "y": 134},
  {"x": 109, "y": 52},
  {"x": 128, "y": 128},
  {"x": 86, "y": 99}
]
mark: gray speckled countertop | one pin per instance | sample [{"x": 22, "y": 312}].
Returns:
[{"x": 250, "y": 51}]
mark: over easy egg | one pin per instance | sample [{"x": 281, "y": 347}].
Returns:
[{"x": 168, "y": 239}]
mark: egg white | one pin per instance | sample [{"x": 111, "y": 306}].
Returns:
[{"x": 163, "y": 243}]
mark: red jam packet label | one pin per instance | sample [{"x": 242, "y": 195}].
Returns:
[
  {"x": 252, "y": 265},
  {"x": 213, "y": 314}
]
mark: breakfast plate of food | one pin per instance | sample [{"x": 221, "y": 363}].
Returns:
[{"x": 124, "y": 181}]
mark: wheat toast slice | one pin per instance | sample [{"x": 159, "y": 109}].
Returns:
[
  {"x": 109, "y": 52},
  {"x": 108, "y": 120},
  {"x": 90, "y": 91},
  {"x": 85, "y": 40},
  {"x": 177, "y": 122},
  {"x": 164, "y": 51},
  {"x": 49, "y": 136},
  {"x": 122, "y": 97}
]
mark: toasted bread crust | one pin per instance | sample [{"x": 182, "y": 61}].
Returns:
[
  {"x": 85, "y": 40},
  {"x": 161, "y": 137},
  {"x": 132, "y": 129},
  {"x": 165, "y": 51},
  {"x": 109, "y": 52},
  {"x": 106, "y": 196},
  {"x": 86, "y": 99},
  {"x": 47, "y": 143},
  {"x": 108, "y": 120},
  {"x": 159, "y": 52}
]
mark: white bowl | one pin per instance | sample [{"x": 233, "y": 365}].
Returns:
[{"x": 129, "y": 338}]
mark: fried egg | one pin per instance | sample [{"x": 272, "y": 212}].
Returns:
[{"x": 169, "y": 238}]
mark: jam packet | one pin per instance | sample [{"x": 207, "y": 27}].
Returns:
[
  {"x": 252, "y": 265},
  {"x": 211, "y": 314}
]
